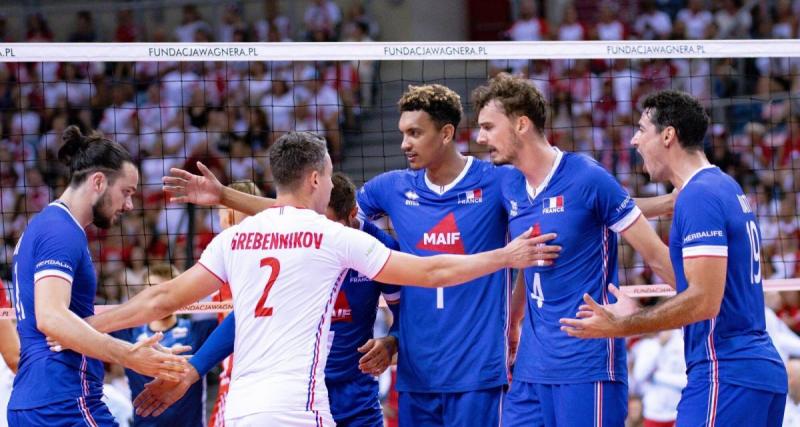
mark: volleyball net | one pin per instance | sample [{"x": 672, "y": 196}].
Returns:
[{"x": 172, "y": 105}]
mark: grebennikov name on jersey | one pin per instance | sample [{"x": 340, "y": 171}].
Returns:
[{"x": 267, "y": 241}]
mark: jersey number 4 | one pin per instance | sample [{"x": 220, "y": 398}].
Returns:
[{"x": 275, "y": 268}]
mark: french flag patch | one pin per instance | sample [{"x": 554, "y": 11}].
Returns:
[
  {"x": 471, "y": 196},
  {"x": 553, "y": 204}
]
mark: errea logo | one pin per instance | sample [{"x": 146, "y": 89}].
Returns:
[{"x": 412, "y": 198}]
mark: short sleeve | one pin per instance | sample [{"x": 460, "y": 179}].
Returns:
[
  {"x": 371, "y": 198},
  {"x": 701, "y": 222},
  {"x": 362, "y": 252},
  {"x": 58, "y": 255},
  {"x": 613, "y": 204},
  {"x": 213, "y": 257}
]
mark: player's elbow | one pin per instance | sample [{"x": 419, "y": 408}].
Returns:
[
  {"x": 707, "y": 309},
  {"x": 48, "y": 321},
  {"x": 12, "y": 360}
]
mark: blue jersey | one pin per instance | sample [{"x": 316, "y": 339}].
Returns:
[
  {"x": 190, "y": 409},
  {"x": 53, "y": 244},
  {"x": 585, "y": 206},
  {"x": 452, "y": 339},
  {"x": 713, "y": 218},
  {"x": 354, "y": 315}
]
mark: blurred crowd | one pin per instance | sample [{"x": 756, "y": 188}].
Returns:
[{"x": 226, "y": 114}]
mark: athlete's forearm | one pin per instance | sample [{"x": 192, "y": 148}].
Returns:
[
  {"x": 518, "y": 299},
  {"x": 148, "y": 305},
  {"x": 671, "y": 313},
  {"x": 74, "y": 333},
  {"x": 451, "y": 270},
  {"x": 654, "y": 207},
  {"x": 243, "y": 202}
]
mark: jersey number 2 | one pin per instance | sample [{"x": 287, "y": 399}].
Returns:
[{"x": 275, "y": 268}]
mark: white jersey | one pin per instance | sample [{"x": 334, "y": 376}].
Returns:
[
  {"x": 660, "y": 369},
  {"x": 284, "y": 267}
]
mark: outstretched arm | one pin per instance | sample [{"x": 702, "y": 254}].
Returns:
[
  {"x": 158, "y": 301},
  {"x": 55, "y": 319},
  {"x": 700, "y": 301},
  {"x": 450, "y": 270},
  {"x": 206, "y": 190},
  {"x": 159, "y": 395}
]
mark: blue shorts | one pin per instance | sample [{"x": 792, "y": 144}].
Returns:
[
  {"x": 355, "y": 403},
  {"x": 67, "y": 413},
  {"x": 470, "y": 408},
  {"x": 597, "y": 404},
  {"x": 729, "y": 405}
]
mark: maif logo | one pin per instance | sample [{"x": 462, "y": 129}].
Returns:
[{"x": 444, "y": 237}]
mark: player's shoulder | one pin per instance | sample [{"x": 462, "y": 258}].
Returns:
[
  {"x": 708, "y": 182},
  {"x": 52, "y": 218},
  {"x": 393, "y": 176},
  {"x": 582, "y": 167}
]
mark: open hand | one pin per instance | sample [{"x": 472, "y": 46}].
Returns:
[
  {"x": 160, "y": 394},
  {"x": 600, "y": 321},
  {"x": 526, "y": 251},
  {"x": 186, "y": 187}
]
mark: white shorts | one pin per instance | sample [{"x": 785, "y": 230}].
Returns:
[{"x": 283, "y": 419}]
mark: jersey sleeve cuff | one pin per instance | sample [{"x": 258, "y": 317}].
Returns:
[
  {"x": 705, "y": 250},
  {"x": 391, "y": 297},
  {"x": 385, "y": 263},
  {"x": 52, "y": 273},
  {"x": 200, "y": 263},
  {"x": 627, "y": 220}
]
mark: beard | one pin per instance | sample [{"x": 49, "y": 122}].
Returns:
[{"x": 100, "y": 217}]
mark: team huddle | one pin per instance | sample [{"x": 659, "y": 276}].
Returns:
[{"x": 473, "y": 346}]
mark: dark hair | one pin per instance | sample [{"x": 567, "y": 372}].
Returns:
[
  {"x": 91, "y": 153},
  {"x": 440, "y": 102},
  {"x": 517, "y": 96},
  {"x": 343, "y": 196},
  {"x": 672, "y": 108},
  {"x": 293, "y": 155}
]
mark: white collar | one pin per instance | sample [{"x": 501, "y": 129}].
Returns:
[
  {"x": 441, "y": 189},
  {"x": 533, "y": 192},
  {"x": 702, "y": 168}
]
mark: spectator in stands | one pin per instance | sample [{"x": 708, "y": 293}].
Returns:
[
  {"x": 273, "y": 21},
  {"x": 191, "y": 22},
  {"x": 697, "y": 19},
  {"x": 322, "y": 17},
  {"x": 37, "y": 29},
  {"x": 570, "y": 28},
  {"x": 126, "y": 30},
  {"x": 357, "y": 16},
  {"x": 84, "y": 28},
  {"x": 608, "y": 26},
  {"x": 791, "y": 417},
  {"x": 733, "y": 20},
  {"x": 651, "y": 23},
  {"x": 232, "y": 20}
]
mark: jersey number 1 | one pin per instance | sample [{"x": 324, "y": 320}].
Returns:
[{"x": 275, "y": 268}]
